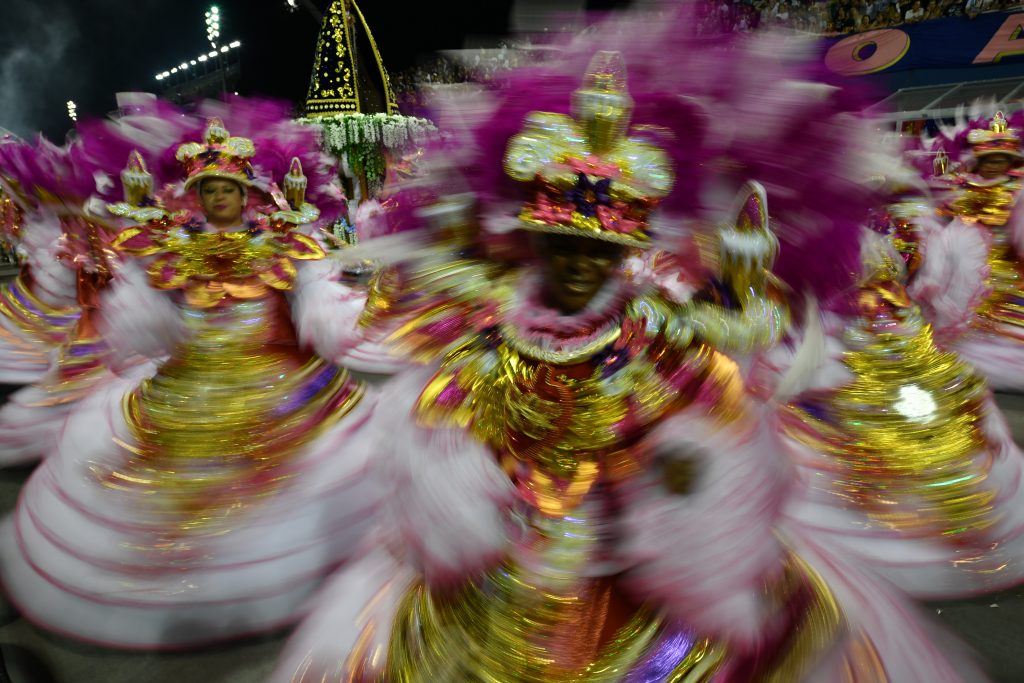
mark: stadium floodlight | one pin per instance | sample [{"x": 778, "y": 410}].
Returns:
[{"x": 213, "y": 25}]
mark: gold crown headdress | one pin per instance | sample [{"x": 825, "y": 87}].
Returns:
[
  {"x": 592, "y": 180},
  {"x": 999, "y": 138},
  {"x": 218, "y": 156}
]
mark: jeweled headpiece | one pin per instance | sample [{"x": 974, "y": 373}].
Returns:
[
  {"x": 998, "y": 139},
  {"x": 587, "y": 176},
  {"x": 602, "y": 105},
  {"x": 218, "y": 156},
  {"x": 136, "y": 180}
]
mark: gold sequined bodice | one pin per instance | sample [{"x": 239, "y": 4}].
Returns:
[
  {"x": 905, "y": 431},
  {"x": 562, "y": 421},
  {"x": 988, "y": 204}
]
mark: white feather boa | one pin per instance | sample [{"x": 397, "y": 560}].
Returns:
[
  {"x": 450, "y": 494},
  {"x": 705, "y": 556},
  {"x": 951, "y": 283},
  {"x": 52, "y": 281},
  {"x": 352, "y": 630},
  {"x": 326, "y": 315},
  {"x": 136, "y": 319}
]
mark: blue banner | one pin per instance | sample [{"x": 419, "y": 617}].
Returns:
[{"x": 954, "y": 42}]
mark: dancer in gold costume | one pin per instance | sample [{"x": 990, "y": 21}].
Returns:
[
  {"x": 205, "y": 501},
  {"x": 970, "y": 284},
  {"x": 38, "y": 309},
  {"x": 582, "y": 489},
  {"x": 902, "y": 453}
]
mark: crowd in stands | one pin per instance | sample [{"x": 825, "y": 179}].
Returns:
[
  {"x": 834, "y": 17},
  {"x": 822, "y": 17}
]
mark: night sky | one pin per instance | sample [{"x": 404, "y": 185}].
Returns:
[{"x": 52, "y": 51}]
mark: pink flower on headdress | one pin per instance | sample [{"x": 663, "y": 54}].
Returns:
[
  {"x": 546, "y": 210},
  {"x": 612, "y": 218}
]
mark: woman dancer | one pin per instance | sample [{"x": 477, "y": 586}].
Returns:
[
  {"x": 902, "y": 454},
  {"x": 207, "y": 501}
]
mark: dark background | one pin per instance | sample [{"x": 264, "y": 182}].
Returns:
[{"x": 52, "y": 51}]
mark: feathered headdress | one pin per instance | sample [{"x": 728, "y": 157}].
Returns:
[
  {"x": 978, "y": 130},
  {"x": 724, "y": 109}
]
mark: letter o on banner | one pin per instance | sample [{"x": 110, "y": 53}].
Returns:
[{"x": 867, "y": 53}]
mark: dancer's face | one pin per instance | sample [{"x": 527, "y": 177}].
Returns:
[
  {"x": 994, "y": 165},
  {"x": 575, "y": 269},
  {"x": 222, "y": 202}
]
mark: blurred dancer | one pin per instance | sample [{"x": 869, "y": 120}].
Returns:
[
  {"x": 582, "y": 488},
  {"x": 969, "y": 282},
  {"x": 69, "y": 261},
  {"x": 38, "y": 309},
  {"x": 903, "y": 455},
  {"x": 206, "y": 501}
]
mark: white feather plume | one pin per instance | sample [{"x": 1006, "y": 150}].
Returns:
[{"x": 136, "y": 319}]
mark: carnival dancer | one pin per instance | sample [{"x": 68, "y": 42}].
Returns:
[
  {"x": 38, "y": 309},
  {"x": 903, "y": 457},
  {"x": 969, "y": 284},
  {"x": 71, "y": 256},
  {"x": 64, "y": 184},
  {"x": 207, "y": 501},
  {"x": 583, "y": 490}
]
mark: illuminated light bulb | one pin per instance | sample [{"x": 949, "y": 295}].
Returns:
[
  {"x": 225, "y": 48},
  {"x": 236, "y": 43},
  {"x": 203, "y": 58}
]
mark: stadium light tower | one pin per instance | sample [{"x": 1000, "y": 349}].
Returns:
[
  {"x": 213, "y": 25},
  {"x": 72, "y": 110},
  {"x": 216, "y": 62}
]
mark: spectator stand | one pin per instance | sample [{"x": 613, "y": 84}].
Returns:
[
  {"x": 914, "y": 109},
  {"x": 839, "y": 17}
]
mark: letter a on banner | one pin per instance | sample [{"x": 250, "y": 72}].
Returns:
[
  {"x": 1007, "y": 41},
  {"x": 867, "y": 53}
]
